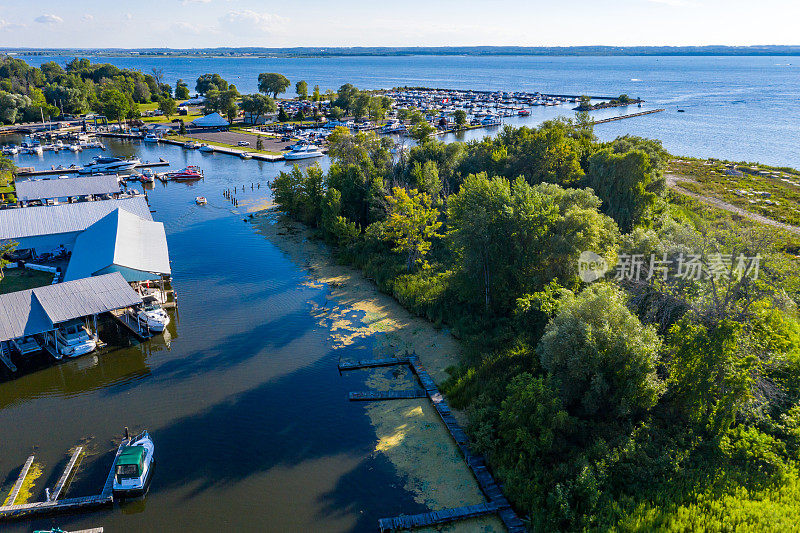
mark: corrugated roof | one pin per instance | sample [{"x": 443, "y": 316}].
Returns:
[
  {"x": 38, "y": 310},
  {"x": 124, "y": 240},
  {"x": 64, "y": 218},
  {"x": 67, "y": 187}
]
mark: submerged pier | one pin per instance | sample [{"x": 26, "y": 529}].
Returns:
[{"x": 496, "y": 502}]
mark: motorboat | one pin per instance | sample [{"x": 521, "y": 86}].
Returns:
[
  {"x": 206, "y": 148},
  {"x": 191, "y": 145},
  {"x": 147, "y": 176},
  {"x": 72, "y": 339},
  {"x": 201, "y": 200},
  {"x": 75, "y": 148},
  {"x": 246, "y": 155},
  {"x": 150, "y": 138},
  {"x": 36, "y": 150},
  {"x": 100, "y": 165},
  {"x": 191, "y": 172},
  {"x": 133, "y": 467},
  {"x": 152, "y": 315},
  {"x": 26, "y": 345},
  {"x": 524, "y": 113},
  {"x": 10, "y": 150},
  {"x": 306, "y": 151}
]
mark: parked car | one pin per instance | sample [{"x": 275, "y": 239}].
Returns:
[{"x": 244, "y": 143}]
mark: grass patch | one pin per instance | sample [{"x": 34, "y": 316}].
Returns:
[
  {"x": 26, "y": 490},
  {"x": 775, "y": 195},
  {"x": 19, "y": 279}
]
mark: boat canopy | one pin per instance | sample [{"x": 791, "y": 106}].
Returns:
[
  {"x": 214, "y": 120},
  {"x": 131, "y": 460}
]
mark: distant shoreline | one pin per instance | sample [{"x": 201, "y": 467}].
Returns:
[{"x": 476, "y": 51}]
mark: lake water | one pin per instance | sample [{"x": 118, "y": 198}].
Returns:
[
  {"x": 251, "y": 421},
  {"x": 738, "y": 108}
]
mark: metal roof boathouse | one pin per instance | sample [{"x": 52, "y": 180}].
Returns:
[
  {"x": 63, "y": 189},
  {"x": 40, "y": 310}
]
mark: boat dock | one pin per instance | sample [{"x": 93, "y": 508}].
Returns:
[
  {"x": 5, "y": 357},
  {"x": 131, "y": 324},
  {"x": 13, "y": 511},
  {"x": 366, "y": 396},
  {"x": 496, "y": 501},
  {"x": 641, "y": 113},
  {"x": 73, "y": 170}
]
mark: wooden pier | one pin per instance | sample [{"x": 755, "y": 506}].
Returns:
[
  {"x": 55, "y": 504},
  {"x": 496, "y": 501},
  {"x": 642, "y": 113},
  {"x": 5, "y": 357},
  {"x": 368, "y": 396},
  {"x": 436, "y": 517},
  {"x": 12, "y": 496},
  {"x": 373, "y": 363}
]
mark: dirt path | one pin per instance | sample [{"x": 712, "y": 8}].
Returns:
[{"x": 674, "y": 180}]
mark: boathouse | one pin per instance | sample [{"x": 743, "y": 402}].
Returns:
[
  {"x": 121, "y": 242},
  {"x": 41, "y": 310},
  {"x": 66, "y": 190},
  {"x": 46, "y": 228}
]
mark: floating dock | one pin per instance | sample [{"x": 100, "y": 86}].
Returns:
[
  {"x": 131, "y": 324},
  {"x": 497, "y": 502},
  {"x": 54, "y": 504},
  {"x": 55, "y": 171}
]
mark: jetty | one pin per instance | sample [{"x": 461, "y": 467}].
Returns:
[
  {"x": 496, "y": 502},
  {"x": 621, "y": 117},
  {"x": 131, "y": 324},
  {"x": 55, "y": 504}
]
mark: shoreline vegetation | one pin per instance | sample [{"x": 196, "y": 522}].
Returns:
[
  {"x": 312, "y": 52},
  {"x": 632, "y": 403}
]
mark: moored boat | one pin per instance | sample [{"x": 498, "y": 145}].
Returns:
[
  {"x": 201, "y": 200},
  {"x": 109, "y": 164},
  {"x": 246, "y": 155},
  {"x": 152, "y": 315},
  {"x": 133, "y": 468},
  {"x": 191, "y": 172},
  {"x": 306, "y": 151},
  {"x": 206, "y": 148}
]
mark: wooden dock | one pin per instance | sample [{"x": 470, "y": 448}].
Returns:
[
  {"x": 368, "y": 396},
  {"x": 56, "y": 504},
  {"x": 642, "y": 113},
  {"x": 74, "y": 170},
  {"x": 12, "y": 496},
  {"x": 67, "y": 475},
  {"x": 496, "y": 501},
  {"x": 434, "y": 518},
  {"x": 131, "y": 324},
  {"x": 373, "y": 363},
  {"x": 5, "y": 357}
]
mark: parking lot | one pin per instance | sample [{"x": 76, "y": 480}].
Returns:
[{"x": 270, "y": 144}]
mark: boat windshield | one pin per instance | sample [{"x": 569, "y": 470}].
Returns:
[{"x": 128, "y": 470}]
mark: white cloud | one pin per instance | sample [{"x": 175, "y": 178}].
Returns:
[
  {"x": 188, "y": 2},
  {"x": 673, "y": 3},
  {"x": 48, "y": 18},
  {"x": 127, "y": 16},
  {"x": 248, "y": 21},
  {"x": 87, "y": 18}
]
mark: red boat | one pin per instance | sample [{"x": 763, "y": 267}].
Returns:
[
  {"x": 524, "y": 112},
  {"x": 191, "y": 172}
]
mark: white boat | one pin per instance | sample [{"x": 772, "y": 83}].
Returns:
[
  {"x": 37, "y": 150},
  {"x": 246, "y": 155},
  {"x": 108, "y": 165},
  {"x": 74, "y": 148},
  {"x": 147, "y": 176},
  {"x": 72, "y": 339},
  {"x": 201, "y": 200},
  {"x": 206, "y": 148},
  {"x": 191, "y": 145},
  {"x": 150, "y": 138},
  {"x": 10, "y": 150},
  {"x": 303, "y": 152},
  {"x": 152, "y": 315},
  {"x": 133, "y": 467}
]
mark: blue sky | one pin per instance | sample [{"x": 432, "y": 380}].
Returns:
[{"x": 202, "y": 23}]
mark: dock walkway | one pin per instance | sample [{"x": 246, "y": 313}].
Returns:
[
  {"x": 621, "y": 117},
  {"x": 497, "y": 502},
  {"x": 56, "y": 505},
  {"x": 75, "y": 170},
  {"x": 5, "y": 357},
  {"x": 12, "y": 496},
  {"x": 131, "y": 324}
]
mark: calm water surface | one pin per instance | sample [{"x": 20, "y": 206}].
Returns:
[
  {"x": 738, "y": 108},
  {"x": 251, "y": 421}
]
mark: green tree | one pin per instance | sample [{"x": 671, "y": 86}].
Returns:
[
  {"x": 257, "y": 105},
  {"x": 207, "y": 82},
  {"x": 272, "y": 83},
  {"x": 260, "y": 142},
  {"x": 115, "y": 105},
  {"x": 411, "y": 224},
  {"x": 301, "y": 88},
  {"x": 181, "y": 90},
  {"x": 460, "y": 117},
  {"x": 425, "y": 177},
  {"x": 283, "y": 116},
  {"x": 316, "y": 97},
  {"x": 336, "y": 113},
  {"x": 420, "y": 129},
  {"x": 346, "y": 97},
  {"x": 602, "y": 358},
  {"x": 168, "y": 106}
]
